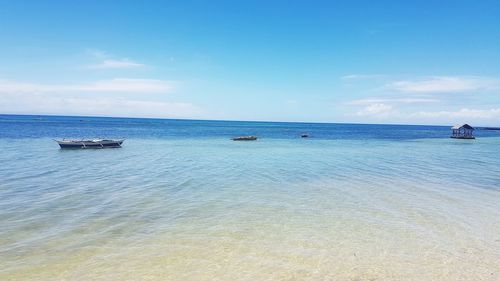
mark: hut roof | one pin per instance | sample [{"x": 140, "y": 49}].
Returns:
[{"x": 466, "y": 126}]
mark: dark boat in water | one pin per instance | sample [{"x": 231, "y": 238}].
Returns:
[
  {"x": 95, "y": 143},
  {"x": 245, "y": 138}
]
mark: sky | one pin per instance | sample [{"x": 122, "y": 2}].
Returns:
[{"x": 392, "y": 62}]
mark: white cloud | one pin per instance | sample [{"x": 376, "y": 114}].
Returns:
[
  {"x": 118, "y": 85},
  {"x": 421, "y": 100},
  {"x": 415, "y": 100},
  {"x": 362, "y": 76},
  {"x": 96, "y": 53},
  {"x": 446, "y": 84},
  {"x": 388, "y": 113},
  {"x": 106, "y": 60},
  {"x": 117, "y": 64},
  {"x": 464, "y": 113},
  {"x": 43, "y": 103},
  {"x": 376, "y": 110},
  {"x": 292, "y": 102},
  {"x": 98, "y": 98}
]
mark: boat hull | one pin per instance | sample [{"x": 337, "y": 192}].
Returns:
[
  {"x": 247, "y": 138},
  {"x": 90, "y": 144}
]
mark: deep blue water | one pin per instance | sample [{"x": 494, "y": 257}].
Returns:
[{"x": 29, "y": 126}]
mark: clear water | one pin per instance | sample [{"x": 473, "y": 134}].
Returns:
[{"x": 180, "y": 201}]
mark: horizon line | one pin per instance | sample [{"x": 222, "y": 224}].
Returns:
[{"x": 227, "y": 120}]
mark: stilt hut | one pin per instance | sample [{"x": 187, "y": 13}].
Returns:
[{"x": 462, "y": 131}]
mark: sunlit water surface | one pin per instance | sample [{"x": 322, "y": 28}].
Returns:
[{"x": 174, "y": 207}]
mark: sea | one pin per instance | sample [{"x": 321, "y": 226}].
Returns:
[{"x": 181, "y": 201}]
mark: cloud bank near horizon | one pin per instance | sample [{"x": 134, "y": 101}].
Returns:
[
  {"x": 120, "y": 97},
  {"x": 446, "y": 84},
  {"x": 117, "y": 85},
  {"x": 43, "y": 103},
  {"x": 432, "y": 99}
]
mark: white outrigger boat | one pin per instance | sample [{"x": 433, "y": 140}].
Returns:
[{"x": 94, "y": 143}]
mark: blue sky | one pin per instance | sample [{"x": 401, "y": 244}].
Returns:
[{"x": 416, "y": 62}]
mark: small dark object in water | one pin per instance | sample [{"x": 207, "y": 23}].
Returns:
[
  {"x": 304, "y": 136},
  {"x": 95, "y": 143},
  {"x": 245, "y": 138}
]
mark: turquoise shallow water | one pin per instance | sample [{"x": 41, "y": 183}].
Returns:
[{"x": 183, "y": 207}]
